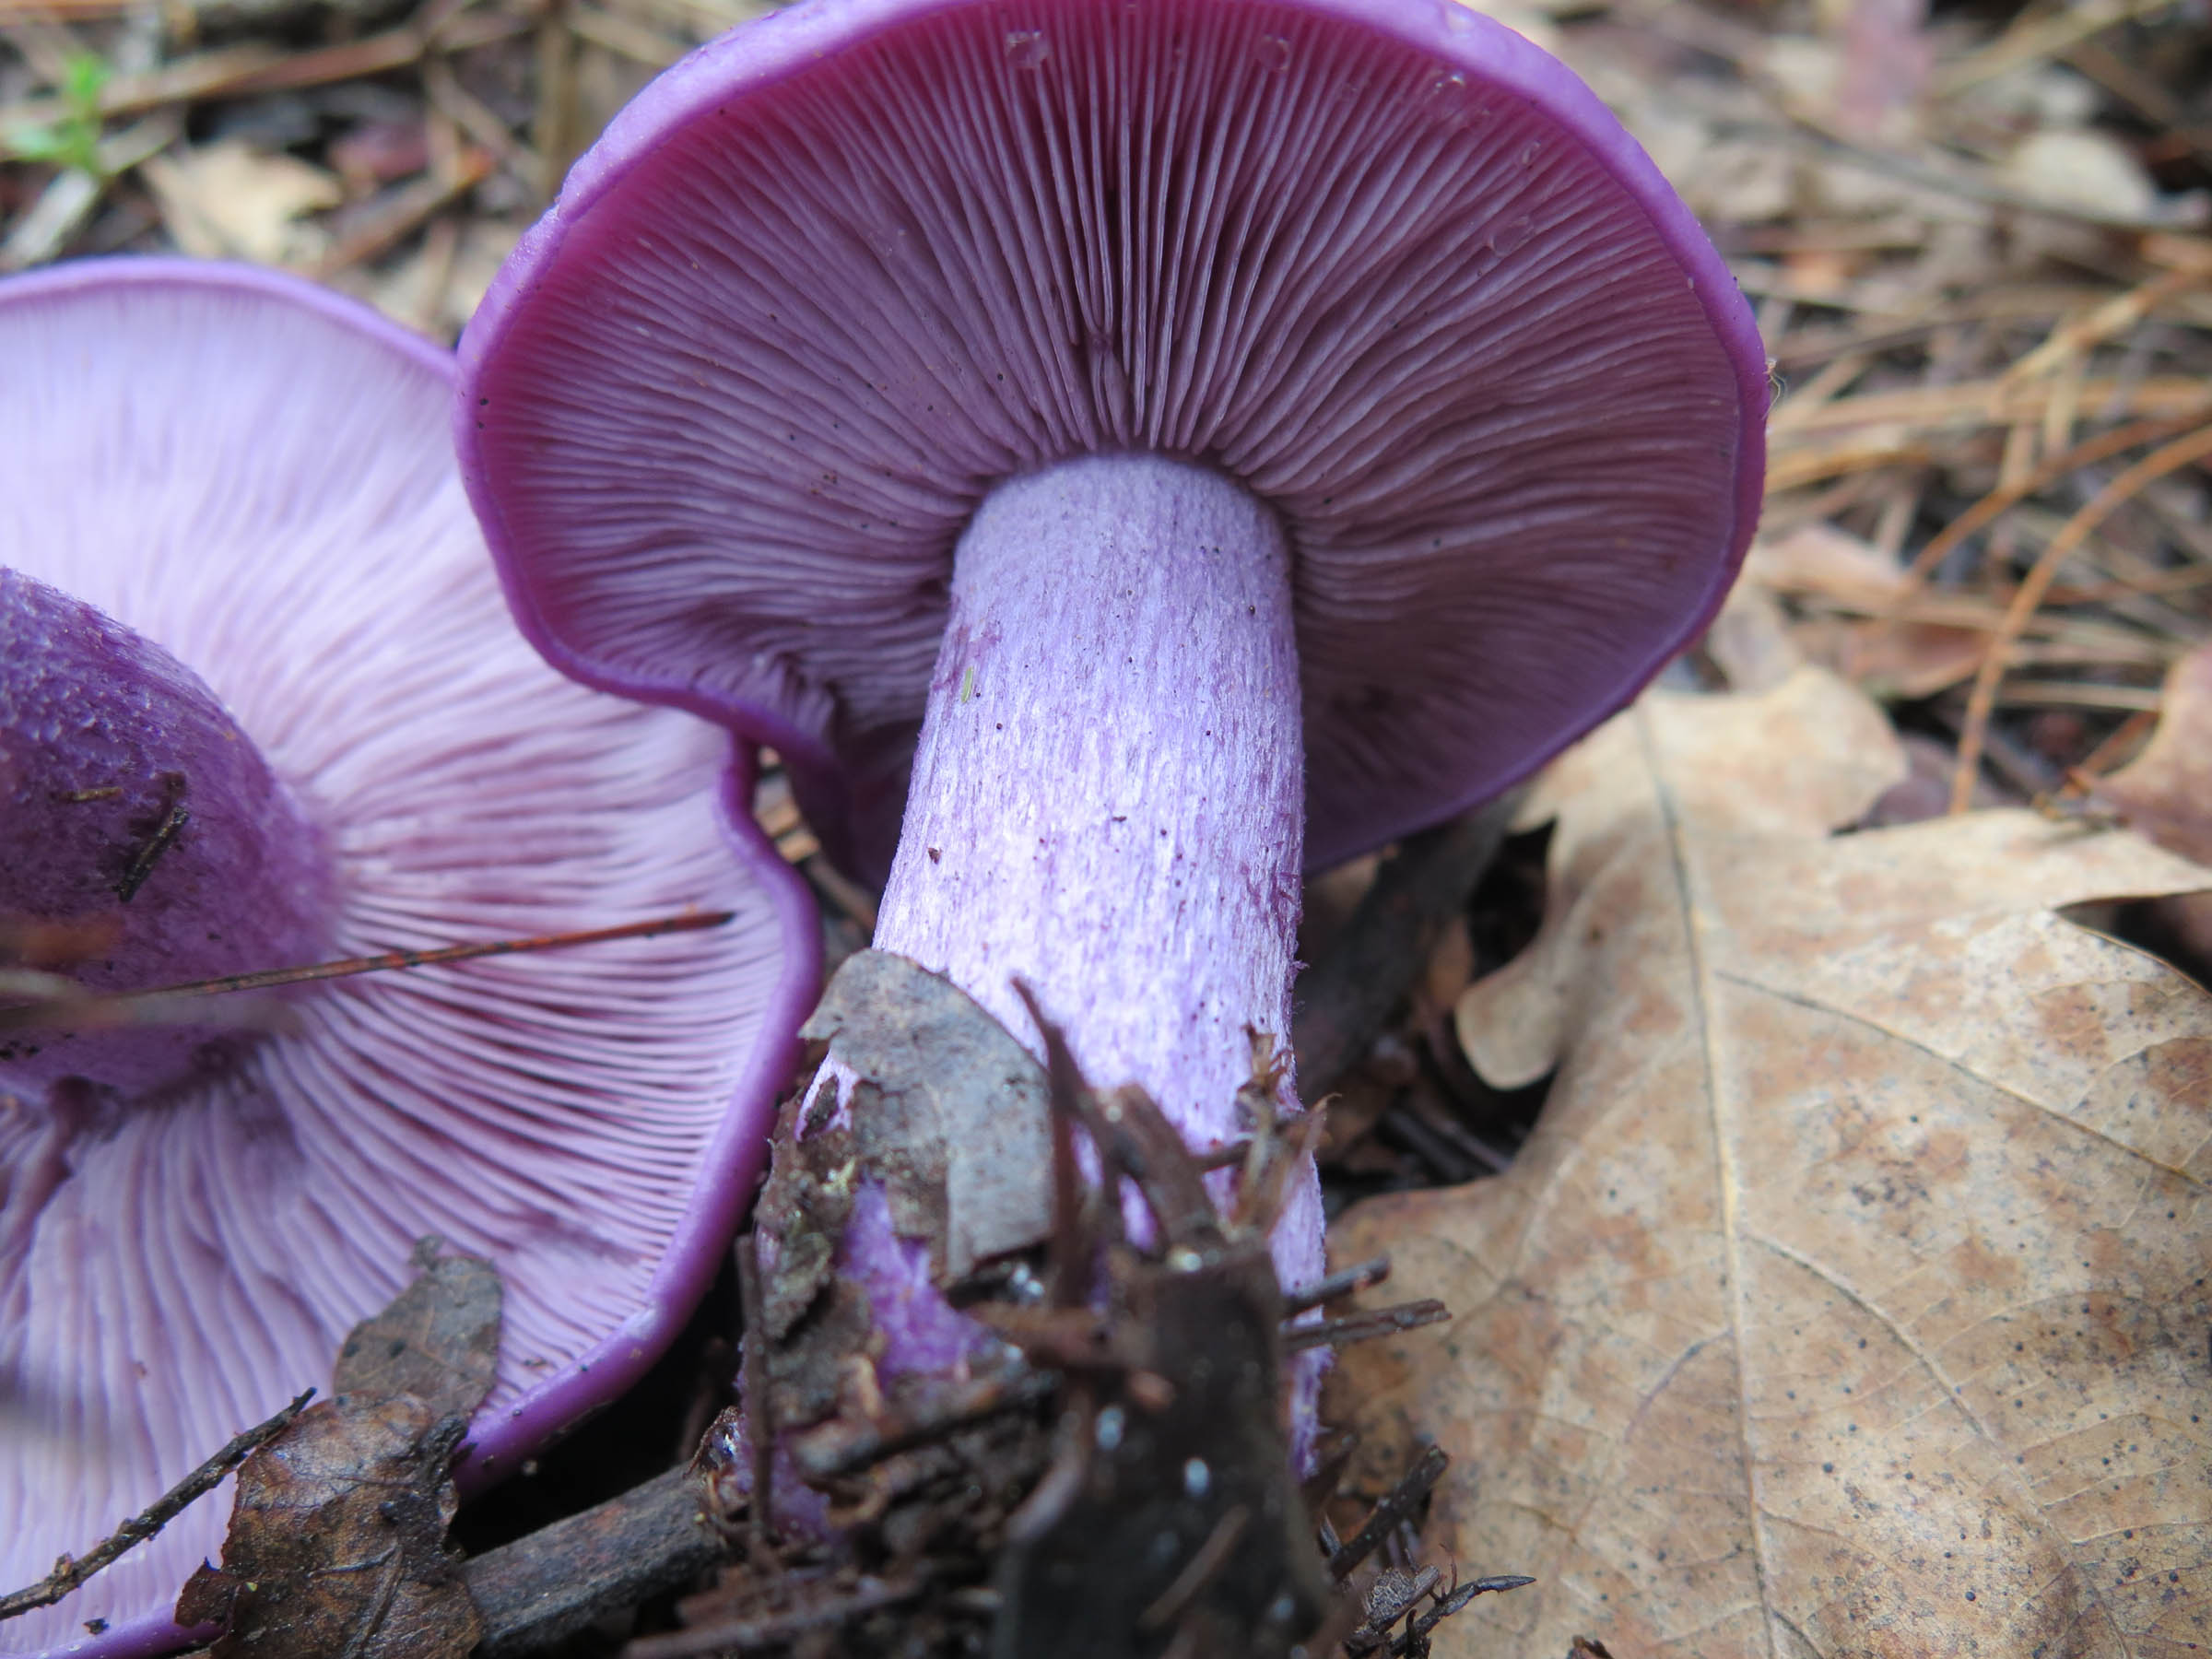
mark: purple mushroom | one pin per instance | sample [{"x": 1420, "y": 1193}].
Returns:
[
  {"x": 280, "y": 715},
  {"x": 1228, "y": 434}
]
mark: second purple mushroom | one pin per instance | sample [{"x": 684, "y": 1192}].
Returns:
[{"x": 1230, "y": 434}]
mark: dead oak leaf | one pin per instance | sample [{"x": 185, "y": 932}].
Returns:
[
  {"x": 438, "y": 1340},
  {"x": 227, "y": 200},
  {"x": 940, "y": 1078},
  {"x": 337, "y": 1544},
  {"x": 1850, "y": 1299},
  {"x": 2166, "y": 792}
]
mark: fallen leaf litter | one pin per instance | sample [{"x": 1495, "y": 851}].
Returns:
[
  {"x": 1862, "y": 1297},
  {"x": 337, "y": 1536}
]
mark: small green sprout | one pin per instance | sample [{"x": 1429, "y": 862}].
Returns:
[{"x": 74, "y": 140}]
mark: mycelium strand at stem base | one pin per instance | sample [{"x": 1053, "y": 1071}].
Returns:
[
  {"x": 1108, "y": 804},
  {"x": 144, "y": 837}
]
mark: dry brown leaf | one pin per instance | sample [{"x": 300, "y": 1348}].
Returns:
[
  {"x": 1824, "y": 562},
  {"x": 439, "y": 1340},
  {"x": 2082, "y": 168},
  {"x": 338, "y": 1543},
  {"x": 1895, "y": 661},
  {"x": 938, "y": 1073},
  {"x": 2166, "y": 792},
  {"x": 227, "y": 200},
  {"x": 338, "y": 1535},
  {"x": 1850, "y": 1299}
]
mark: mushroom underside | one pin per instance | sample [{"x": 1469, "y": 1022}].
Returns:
[
  {"x": 825, "y": 288},
  {"x": 254, "y": 476}
]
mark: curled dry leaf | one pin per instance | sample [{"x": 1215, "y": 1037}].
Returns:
[
  {"x": 2085, "y": 168},
  {"x": 1855, "y": 587},
  {"x": 1896, "y": 661},
  {"x": 438, "y": 1339},
  {"x": 337, "y": 1536},
  {"x": 937, "y": 1078},
  {"x": 227, "y": 200},
  {"x": 2166, "y": 792},
  {"x": 1851, "y": 1299},
  {"x": 948, "y": 1119}
]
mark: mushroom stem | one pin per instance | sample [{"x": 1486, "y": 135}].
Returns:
[
  {"x": 1108, "y": 797},
  {"x": 146, "y": 833}
]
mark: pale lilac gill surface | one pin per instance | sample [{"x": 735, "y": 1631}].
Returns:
[
  {"x": 827, "y": 281},
  {"x": 106, "y": 740},
  {"x": 256, "y": 475}
]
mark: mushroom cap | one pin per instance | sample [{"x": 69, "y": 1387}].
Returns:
[
  {"x": 825, "y": 282},
  {"x": 258, "y": 477},
  {"x": 117, "y": 762}
]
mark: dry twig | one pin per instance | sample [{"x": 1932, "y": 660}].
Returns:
[{"x": 71, "y": 1571}]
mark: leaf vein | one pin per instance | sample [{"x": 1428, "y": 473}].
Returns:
[
  {"x": 2030, "y": 1505},
  {"x": 2055, "y": 1114}
]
